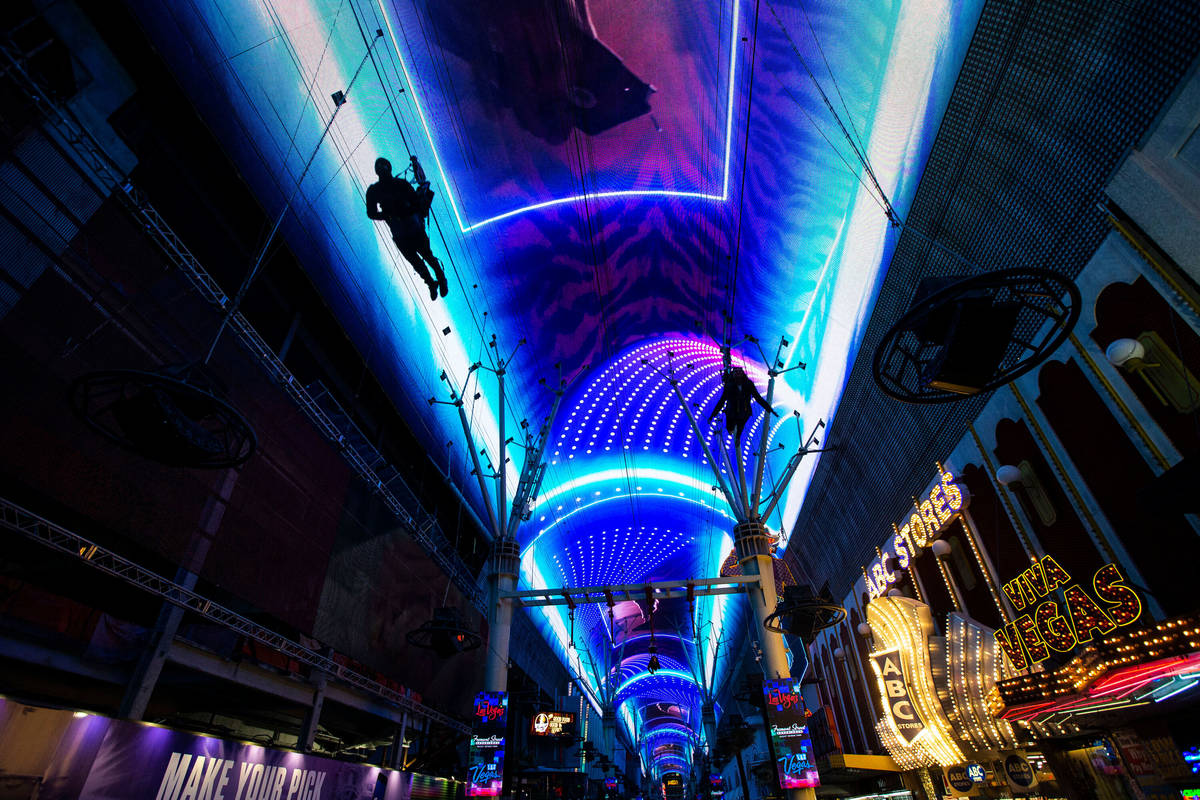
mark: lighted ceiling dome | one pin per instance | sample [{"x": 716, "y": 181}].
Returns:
[
  {"x": 668, "y": 196},
  {"x": 629, "y": 499}
]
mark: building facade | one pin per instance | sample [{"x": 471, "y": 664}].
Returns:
[{"x": 1028, "y": 626}]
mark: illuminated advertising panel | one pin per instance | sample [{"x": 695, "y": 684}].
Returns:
[
  {"x": 788, "y": 721},
  {"x": 1045, "y": 626},
  {"x": 931, "y": 515},
  {"x": 1019, "y": 773},
  {"x": 73, "y": 755},
  {"x": 899, "y": 704},
  {"x": 552, "y": 723},
  {"x": 958, "y": 779},
  {"x": 485, "y": 764}
]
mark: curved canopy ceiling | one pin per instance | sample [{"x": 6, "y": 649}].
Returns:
[{"x": 625, "y": 187}]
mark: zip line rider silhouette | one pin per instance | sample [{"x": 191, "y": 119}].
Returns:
[
  {"x": 736, "y": 393},
  {"x": 394, "y": 201}
]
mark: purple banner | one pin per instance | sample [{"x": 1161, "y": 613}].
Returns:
[{"x": 85, "y": 757}]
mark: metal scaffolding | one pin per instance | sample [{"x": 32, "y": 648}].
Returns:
[
  {"x": 661, "y": 590},
  {"x": 30, "y": 525},
  {"x": 92, "y": 158}
]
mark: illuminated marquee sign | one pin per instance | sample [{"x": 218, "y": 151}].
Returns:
[
  {"x": 896, "y": 699},
  {"x": 958, "y": 779},
  {"x": 485, "y": 769},
  {"x": 788, "y": 721},
  {"x": 1046, "y": 626},
  {"x": 929, "y": 518},
  {"x": 1019, "y": 773},
  {"x": 552, "y": 723},
  {"x": 491, "y": 709}
]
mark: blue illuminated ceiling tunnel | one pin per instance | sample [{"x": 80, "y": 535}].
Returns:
[
  {"x": 602, "y": 216},
  {"x": 630, "y": 499}
]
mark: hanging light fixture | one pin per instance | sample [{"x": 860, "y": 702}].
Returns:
[
  {"x": 445, "y": 634},
  {"x": 173, "y": 415}
]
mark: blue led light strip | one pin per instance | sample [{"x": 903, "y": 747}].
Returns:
[{"x": 466, "y": 228}]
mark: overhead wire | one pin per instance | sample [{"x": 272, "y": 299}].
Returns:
[
  {"x": 465, "y": 242},
  {"x": 727, "y": 336},
  {"x": 833, "y": 79},
  {"x": 468, "y": 242},
  {"x": 241, "y": 86},
  {"x": 308, "y": 89},
  {"x": 385, "y": 87},
  {"x": 308, "y": 229},
  {"x": 348, "y": 244},
  {"x": 479, "y": 281},
  {"x": 859, "y": 151},
  {"x": 481, "y": 328}
]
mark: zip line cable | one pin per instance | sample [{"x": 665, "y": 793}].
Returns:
[
  {"x": 308, "y": 89},
  {"x": 859, "y": 152},
  {"x": 249, "y": 102},
  {"x": 845, "y": 107},
  {"x": 348, "y": 243},
  {"x": 287, "y": 206},
  {"x": 384, "y": 85},
  {"x": 737, "y": 244}
]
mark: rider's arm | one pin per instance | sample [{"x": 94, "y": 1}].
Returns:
[{"x": 373, "y": 209}]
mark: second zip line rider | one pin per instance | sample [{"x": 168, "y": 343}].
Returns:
[{"x": 394, "y": 200}]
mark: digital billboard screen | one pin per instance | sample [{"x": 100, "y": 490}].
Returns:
[
  {"x": 787, "y": 718},
  {"x": 552, "y": 723}
]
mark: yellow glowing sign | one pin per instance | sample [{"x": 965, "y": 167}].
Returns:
[
  {"x": 890, "y": 671},
  {"x": 903, "y": 627},
  {"x": 1030, "y": 638},
  {"x": 929, "y": 518}
]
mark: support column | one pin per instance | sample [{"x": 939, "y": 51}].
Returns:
[
  {"x": 154, "y": 657},
  {"x": 753, "y": 551},
  {"x": 399, "y": 750},
  {"x": 312, "y": 717},
  {"x": 941, "y": 551},
  {"x": 608, "y": 724},
  {"x": 708, "y": 718},
  {"x": 504, "y": 563}
]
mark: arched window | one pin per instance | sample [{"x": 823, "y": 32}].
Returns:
[
  {"x": 869, "y": 703},
  {"x": 1164, "y": 548},
  {"x": 1066, "y": 539},
  {"x": 1137, "y": 311}
]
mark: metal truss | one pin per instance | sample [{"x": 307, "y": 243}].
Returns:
[
  {"x": 661, "y": 590},
  {"x": 30, "y": 525},
  {"x": 92, "y": 158}
]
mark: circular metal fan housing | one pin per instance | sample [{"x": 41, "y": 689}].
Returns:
[
  {"x": 169, "y": 419},
  {"x": 445, "y": 634},
  {"x": 804, "y": 614},
  {"x": 963, "y": 336}
]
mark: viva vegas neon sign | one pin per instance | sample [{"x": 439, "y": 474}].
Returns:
[
  {"x": 1046, "y": 627},
  {"x": 929, "y": 518}
]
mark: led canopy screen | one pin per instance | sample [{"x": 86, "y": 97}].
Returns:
[
  {"x": 509, "y": 89},
  {"x": 613, "y": 182}
]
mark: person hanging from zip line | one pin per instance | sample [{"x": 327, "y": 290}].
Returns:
[
  {"x": 394, "y": 200},
  {"x": 737, "y": 392}
]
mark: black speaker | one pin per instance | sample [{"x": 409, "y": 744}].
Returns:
[{"x": 975, "y": 338}]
